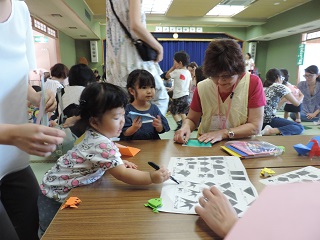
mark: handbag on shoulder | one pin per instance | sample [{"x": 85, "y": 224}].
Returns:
[{"x": 146, "y": 52}]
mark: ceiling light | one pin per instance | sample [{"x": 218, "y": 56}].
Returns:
[
  {"x": 156, "y": 7},
  {"x": 56, "y": 15},
  {"x": 276, "y": 3},
  {"x": 225, "y": 10}
]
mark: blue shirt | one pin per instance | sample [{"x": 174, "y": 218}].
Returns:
[
  {"x": 147, "y": 131},
  {"x": 310, "y": 104}
]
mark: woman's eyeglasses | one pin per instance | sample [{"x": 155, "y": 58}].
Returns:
[{"x": 308, "y": 75}]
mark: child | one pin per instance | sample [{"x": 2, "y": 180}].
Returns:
[
  {"x": 141, "y": 88},
  {"x": 102, "y": 113},
  {"x": 289, "y": 107},
  {"x": 182, "y": 80}
]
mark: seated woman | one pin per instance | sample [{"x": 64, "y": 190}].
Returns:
[
  {"x": 274, "y": 91},
  {"x": 311, "y": 90},
  {"x": 230, "y": 102}
]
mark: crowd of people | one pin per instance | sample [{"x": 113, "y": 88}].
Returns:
[{"x": 221, "y": 98}]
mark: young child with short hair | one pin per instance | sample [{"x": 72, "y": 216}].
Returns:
[
  {"x": 182, "y": 79},
  {"x": 102, "y": 114},
  {"x": 289, "y": 107},
  {"x": 141, "y": 88}
]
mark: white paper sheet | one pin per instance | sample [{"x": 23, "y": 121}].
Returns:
[
  {"x": 306, "y": 174},
  {"x": 227, "y": 173}
]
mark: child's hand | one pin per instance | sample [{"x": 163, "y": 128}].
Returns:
[
  {"x": 160, "y": 175},
  {"x": 130, "y": 164},
  {"x": 137, "y": 123},
  {"x": 157, "y": 123}
]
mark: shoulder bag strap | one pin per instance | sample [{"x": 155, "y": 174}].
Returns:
[{"x": 123, "y": 27}]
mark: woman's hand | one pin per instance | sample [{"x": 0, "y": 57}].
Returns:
[
  {"x": 216, "y": 211},
  {"x": 211, "y": 137},
  {"x": 182, "y": 135},
  {"x": 36, "y": 139},
  {"x": 311, "y": 115}
]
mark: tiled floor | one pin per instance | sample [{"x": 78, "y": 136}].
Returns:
[{"x": 40, "y": 166}]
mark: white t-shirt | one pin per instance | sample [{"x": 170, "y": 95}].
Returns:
[
  {"x": 17, "y": 58},
  {"x": 182, "y": 79}
]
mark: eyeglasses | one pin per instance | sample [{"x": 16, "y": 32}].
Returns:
[{"x": 308, "y": 75}]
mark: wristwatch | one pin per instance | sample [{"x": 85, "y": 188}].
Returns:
[{"x": 230, "y": 133}]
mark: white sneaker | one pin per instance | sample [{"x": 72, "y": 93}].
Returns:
[{"x": 265, "y": 131}]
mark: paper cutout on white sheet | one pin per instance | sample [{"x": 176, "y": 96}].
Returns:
[
  {"x": 306, "y": 174},
  {"x": 227, "y": 173}
]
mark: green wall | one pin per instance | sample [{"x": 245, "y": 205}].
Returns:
[
  {"x": 67, "y": 50},
  {"x": 279, "y": 53}
]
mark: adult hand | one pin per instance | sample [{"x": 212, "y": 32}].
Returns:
[
  {"x": 182, "y": 135},
  {"x": 51, "y": 103},
  {"x": 160, "y": 175},
  {"x": 36, "y": 139},
  {"x": 160, "y": 53},
  {"x": 211, "y": 137},
  {"x": 216, "y": 211},
  {"x": 311, "y": 115}
]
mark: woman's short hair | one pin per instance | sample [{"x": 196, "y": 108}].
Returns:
[
  {"x": 59, "y": 70},
  {"x": 223, "y": 56}
]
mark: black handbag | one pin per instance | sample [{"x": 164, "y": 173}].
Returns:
[{"x": 146, "y": 52}]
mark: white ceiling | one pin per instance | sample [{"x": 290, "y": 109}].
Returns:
[{"x": 181, "y": 12}]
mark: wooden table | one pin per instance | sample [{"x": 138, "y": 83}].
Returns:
[{"x": 111, "y": 209}]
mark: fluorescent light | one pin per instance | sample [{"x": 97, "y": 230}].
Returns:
[
  {"x": 225, "y": 10},
  {"x": 156, "y": 6}
]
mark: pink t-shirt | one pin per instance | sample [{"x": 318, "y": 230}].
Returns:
[{"x": 256, "y": 96}]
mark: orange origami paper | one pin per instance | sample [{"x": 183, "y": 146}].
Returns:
[
  {"x": 129, "y": 151},
  {"x": 72, "y": 202}
]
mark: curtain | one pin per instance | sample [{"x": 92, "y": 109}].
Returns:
[{"x": 196, "y": 51}]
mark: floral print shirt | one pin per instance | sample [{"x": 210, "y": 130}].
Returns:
[
  {"x": 273, "y": 95},
  {"x": 82, "y": 165}
]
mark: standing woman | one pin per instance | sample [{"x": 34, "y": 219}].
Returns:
[
  {"x": 19, "y": 187},
  {"x": 249, "y": 63},
  {"x": 311, "y": 91},
  {"x": 122, "y": 56},
  {"x": 274, "y": 91}
]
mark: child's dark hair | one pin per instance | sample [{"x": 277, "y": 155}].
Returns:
[
  {"x": 96, "y": 99},
  {"x": 182, "y": 57},
  {"x": 285, "y": 74},
  {"x": 271, "y": 76},
  {"x": 199, "y": 74},
  {"x": 143, "y": 77},
  {"x": 81, "y": 75}
]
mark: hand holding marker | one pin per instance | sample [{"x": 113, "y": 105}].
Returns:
[{"x": 156, "y": 167}]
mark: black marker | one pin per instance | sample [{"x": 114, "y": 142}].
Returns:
[{"x": 156, "y": 167}]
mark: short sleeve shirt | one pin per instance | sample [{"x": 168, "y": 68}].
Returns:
[
  {"x": 82, "y": 165},
  {"x": 273, "y": 95}
]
